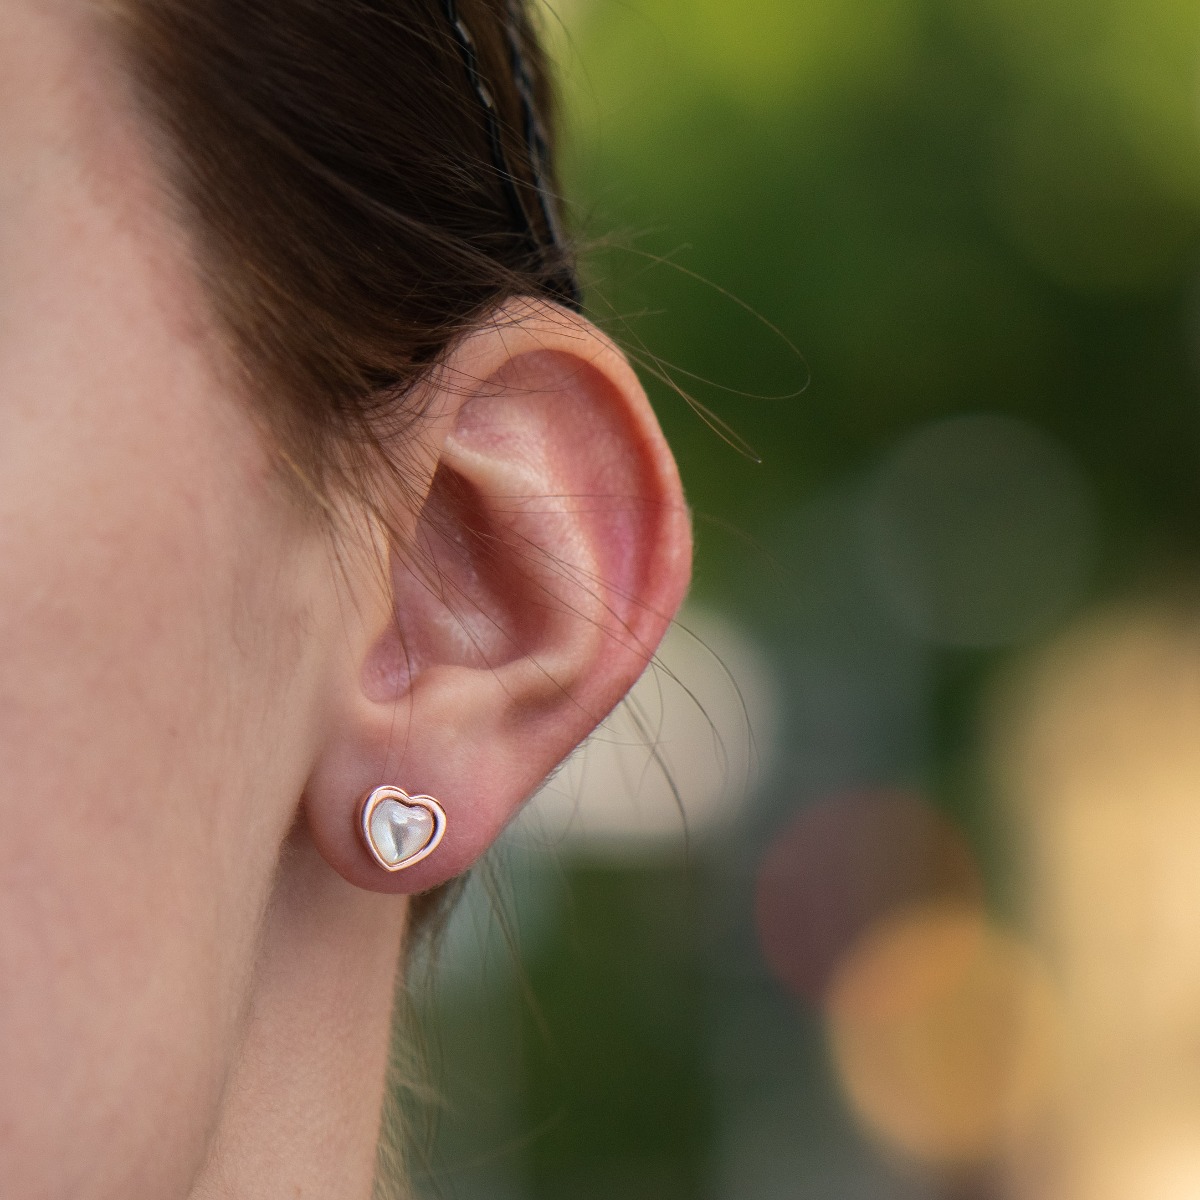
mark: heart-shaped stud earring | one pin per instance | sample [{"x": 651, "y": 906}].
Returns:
[{"x": 400, "y": 830}]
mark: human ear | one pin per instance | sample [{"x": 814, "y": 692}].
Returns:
[{"x": 551, "y": 550}]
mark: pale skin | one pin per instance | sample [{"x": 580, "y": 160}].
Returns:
[{"x": 200, "y": 681}]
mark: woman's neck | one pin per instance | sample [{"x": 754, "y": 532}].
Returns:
[{"x": 302, "y": 1105}]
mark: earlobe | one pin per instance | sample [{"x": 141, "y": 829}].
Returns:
[{"x": 551, "y": 552}]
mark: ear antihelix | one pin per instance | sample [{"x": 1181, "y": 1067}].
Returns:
[{"x": 400, "y": 830}]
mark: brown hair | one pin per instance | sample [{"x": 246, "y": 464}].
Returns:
[
  {"x": 334, "y": 163},
  {"x": 333, "y": 159}
]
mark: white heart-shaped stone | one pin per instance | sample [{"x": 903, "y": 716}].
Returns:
[{"x": 398, "y": 831}]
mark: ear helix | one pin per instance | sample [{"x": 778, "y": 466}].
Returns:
[{"x": 400, "y": 830}]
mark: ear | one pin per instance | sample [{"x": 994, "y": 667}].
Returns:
[{"x": 551, "y": 551}]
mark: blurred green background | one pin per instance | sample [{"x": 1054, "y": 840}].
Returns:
[{"x": 929, "y": 274}]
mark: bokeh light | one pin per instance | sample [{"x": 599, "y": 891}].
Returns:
[
  {"x": 1122, "y": 232},
  {"x": 944, "y": 1033},
  {"x": 980, "y": 529},
  {"x": 1136, "y": 1155},
  {"x": 840, "y": 866},
  {"x": 1097, "y": 756},
  {"x": 675, "y": 762}
]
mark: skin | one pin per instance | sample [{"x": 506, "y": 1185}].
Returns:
[{"x": 200, "y": 682}]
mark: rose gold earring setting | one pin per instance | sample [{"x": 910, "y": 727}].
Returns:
[{"x": 400, "y": 830}]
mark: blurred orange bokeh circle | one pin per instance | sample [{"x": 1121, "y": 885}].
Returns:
[{"x": 943, "y": 1029}]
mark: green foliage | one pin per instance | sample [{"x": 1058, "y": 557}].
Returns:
[{"x": 946, "y": 205}]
